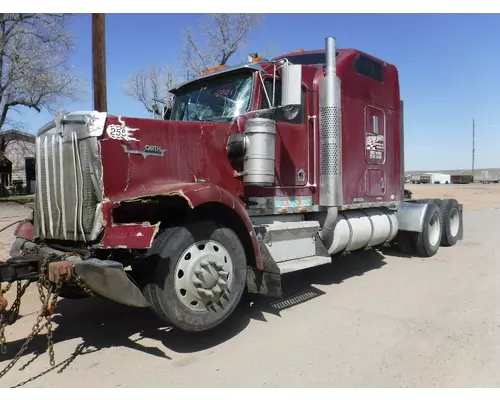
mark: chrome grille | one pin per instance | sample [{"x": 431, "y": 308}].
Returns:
[{"x": 67, "y": 197}]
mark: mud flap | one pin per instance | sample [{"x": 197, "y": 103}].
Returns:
[
  {"x": 268, "y": 281},
  {"x": 108, "y": 279}
]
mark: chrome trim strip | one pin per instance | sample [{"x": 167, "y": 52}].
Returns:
[
  {"x": 98, "y": 222},
  {"x": 39, "y": 186},
  {"x": 393, "y": 205},
  {"x": 47, "y": 184},
  {"x": 75, "y": 227},
  {"x": 61, "y": 182},
  {"x": 54, "y": 171},
  {"x": 80, "y": 204}
]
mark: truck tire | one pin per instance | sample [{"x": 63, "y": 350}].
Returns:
[
  {"x": 427, "y": 242},
  {"x": 451, "y": 223},
  {"x": 198, "y": 275}
]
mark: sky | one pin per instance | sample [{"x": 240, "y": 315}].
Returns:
[{"x": 449, "y": 70}]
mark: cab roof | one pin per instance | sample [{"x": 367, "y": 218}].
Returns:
[{"x": 310, "y": 57}]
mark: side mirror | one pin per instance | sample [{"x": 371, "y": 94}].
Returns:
[{"x": 291, "y": 85}]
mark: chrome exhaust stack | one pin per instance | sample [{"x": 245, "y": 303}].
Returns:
[{"x": 330, "y": 131}]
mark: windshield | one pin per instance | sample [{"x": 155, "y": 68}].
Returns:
[{"x": 220, "y": 99}]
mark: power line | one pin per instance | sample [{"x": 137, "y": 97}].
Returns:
[{"x": 473, "y": 145}]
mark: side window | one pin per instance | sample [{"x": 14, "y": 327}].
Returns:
[
  {"x": 369, "y": 68},
  {"x": 279, "y": 114}
]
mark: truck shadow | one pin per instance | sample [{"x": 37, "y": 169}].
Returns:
[{"x": 101, "y": 324}]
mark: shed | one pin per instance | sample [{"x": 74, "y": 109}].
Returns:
[{"x": 17, "y": 161}]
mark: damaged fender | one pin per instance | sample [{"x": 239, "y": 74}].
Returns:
[
  {"x": 195, "y": 195},
  {"x": 128, "y": 236}
]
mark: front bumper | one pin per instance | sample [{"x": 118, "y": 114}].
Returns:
[{"x": 105, "y": 278}]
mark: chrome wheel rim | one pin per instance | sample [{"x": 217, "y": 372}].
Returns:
[
  {"x": 454, "y": 222},
  {"x": 203, "y": 276},
  {"x": 434, "y": 230}
]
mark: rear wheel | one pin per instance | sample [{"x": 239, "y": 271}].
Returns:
[
  {"x": 198, "y": 275},
  {"x": 451, "y": 222},
  {"x": 427, "y": 242}
]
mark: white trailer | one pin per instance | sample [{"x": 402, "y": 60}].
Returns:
[{"x": 440, "y": 178}]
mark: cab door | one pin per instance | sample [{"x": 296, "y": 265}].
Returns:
[
  {"x": 292, "y": 138},
  {"x": 375, "y": 151}
]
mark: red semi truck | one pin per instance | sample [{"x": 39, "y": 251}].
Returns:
[{"x": 261, "y": 170}]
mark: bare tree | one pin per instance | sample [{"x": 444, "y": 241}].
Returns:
[
  {"x": 152, "y": 86},
  {"x": 224, "y": 35},
  {"x": 34, "y": 67},
  {"x": 216, "y": 41}
]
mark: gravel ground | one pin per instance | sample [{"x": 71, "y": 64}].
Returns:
[{"x": 373, "y": 320}]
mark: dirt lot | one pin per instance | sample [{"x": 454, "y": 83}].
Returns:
[
  {"x": 373, "y": 320},
  {"x": 472, "y": 196}
]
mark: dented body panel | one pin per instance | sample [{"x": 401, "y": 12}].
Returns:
[
  {"x": 128, "y": 236},
  {"x": 193, "y": 194},
  {"x": 163, "y": 153},
  {"x": 167, "y": 158}
]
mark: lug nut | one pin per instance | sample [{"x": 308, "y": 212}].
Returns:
[
  {"x": 222, "y": 283},
  {"x": 207, "y": 293},
  {"x": 197, "y": 282},
  {"x": 223, "y": 274},
  {"x": 218, "y": 266},
  {"x": 217, "y": 290}
]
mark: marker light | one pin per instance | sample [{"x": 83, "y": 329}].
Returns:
[{"x": 205, "y": 71}]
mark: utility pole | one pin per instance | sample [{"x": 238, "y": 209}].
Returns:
[
  {"x": 473, "y": 146},
  {"x": 99, "y": 62}
]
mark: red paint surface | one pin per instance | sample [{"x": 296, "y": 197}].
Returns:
[
  {"x": 294, "y": 148},
  {"x": 25, "y": 230},
  {"x": 131, "y": 236},
  {"x": 195, "y": 160},
  {"x": 361, "y": 98},
  {"x": 358, "y": 92}
]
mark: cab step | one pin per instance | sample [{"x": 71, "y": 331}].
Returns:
[
  {"x": 288, "y": 246},
  {"x": 302, "y": 263}
]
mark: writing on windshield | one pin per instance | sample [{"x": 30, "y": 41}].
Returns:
[{"x": 219, "y": 99}]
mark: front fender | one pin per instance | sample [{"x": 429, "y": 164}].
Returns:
[{"x": 195, "y": 195}]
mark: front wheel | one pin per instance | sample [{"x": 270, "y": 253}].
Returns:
[{"x": 198, "y": 275}]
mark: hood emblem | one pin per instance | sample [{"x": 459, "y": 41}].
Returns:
[{"x": 149, "y": 150}]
